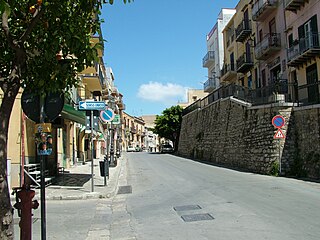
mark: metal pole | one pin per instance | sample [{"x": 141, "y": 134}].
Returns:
[
  {"x": 92, "y": 181},
  {"x": 43, "y": 199},
  {"x": 279, "y": 157},
  {"x": 42, "y": 180},
  {"x": 111, "y": 146},
  {"x": 105, "y": 160}
]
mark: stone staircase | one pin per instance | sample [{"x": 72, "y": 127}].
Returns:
[{"x": 33, "y": 175}]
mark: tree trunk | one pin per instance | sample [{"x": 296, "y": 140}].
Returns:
[{"x": 6, "y": 211}]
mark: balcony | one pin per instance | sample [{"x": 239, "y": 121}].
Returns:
[
  {"x": 95, "y": 41},
  {"x": 228, "y": 73},
  {"x": 133, "y": 130},
  {"x": 294, "y": 5},
  {"x": 262, "y": 9},
  {"x": 114, "y": 91},
  {"x": 269, "y": 45},
  {"x": 243, "y": 30},
  {"x": 209, "y": 85},
  {"x": 208, "y": 59},
  {"x": 93, "y": 78},
  {"x": 306, "y": 49},
  {"x": 244, "y": 63},
  {"x": 121, "y": 105}
]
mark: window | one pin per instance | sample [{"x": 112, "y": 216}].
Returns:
[
  {"x": 290, "y": 40},
  {"x": 272, "y": 26}
]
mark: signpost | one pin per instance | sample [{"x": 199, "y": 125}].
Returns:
[
  {"x": 91, "y": 106},
  {"x": 278, "y": 122}
]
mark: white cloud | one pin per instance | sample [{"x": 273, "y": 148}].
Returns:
[{"x": 169, "y": 93}]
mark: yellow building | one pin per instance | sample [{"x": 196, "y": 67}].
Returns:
[
  {"x": 133, "y": 131},
  {"x": 69, "y": 130},
  {"x": 239, "y": 48}
]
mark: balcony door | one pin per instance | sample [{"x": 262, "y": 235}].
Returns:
[
  {"x": 312, "y": 83},
  {"x": 232, "y": 68},
  {"x": 307, "y": 34}
]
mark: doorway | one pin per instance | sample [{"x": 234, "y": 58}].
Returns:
[{"x": 312, "y": 84}]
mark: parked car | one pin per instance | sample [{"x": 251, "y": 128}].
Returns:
[
  {"x": 166, "y": 148},
  {"x": 131, "y": 149}
]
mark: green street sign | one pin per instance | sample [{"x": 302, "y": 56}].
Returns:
[{"x": 116, "y": 119}]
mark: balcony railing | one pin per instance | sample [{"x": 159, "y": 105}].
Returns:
[
  {"x": 294, "y": 5},
  {"x": 262, "y": 9},
  {"x": 270, "y": 44},
  {"x": 208, "y": 59},
  {"x": 305, "y": 49},
  {"x": 209, "y": 85},
  {"x": 244, "y": 62},
  {"x": 279, "y": 91},
  {"x": 228, "y": 72},
  {"x": 243, "y": 30},
  {"x": 309, "y": 93}
]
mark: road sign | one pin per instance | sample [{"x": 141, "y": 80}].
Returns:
[
  {"x": 116, "y": 119},
  {"x": 278, "y": 121},
  {"x": 107, "y": 115},
  {"x": 91, "y": 105},
  {"x": 279, "y": 134}
]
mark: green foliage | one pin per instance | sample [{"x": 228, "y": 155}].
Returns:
[
  {"x": 274, "y": 171},
  {"x": 168, "y": 124},
  {"x": 34, "y": 32}
]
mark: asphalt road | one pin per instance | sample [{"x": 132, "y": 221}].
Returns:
[
  {"x": 243, "y": 205},
  {"x": 167, "y": 197}
]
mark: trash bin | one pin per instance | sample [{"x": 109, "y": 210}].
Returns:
[{"x": 102, "y": 168}]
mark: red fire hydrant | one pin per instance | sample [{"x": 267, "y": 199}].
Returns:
[{"x": 24, "y": 204}]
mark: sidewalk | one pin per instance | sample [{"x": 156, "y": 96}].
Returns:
[{"x": 76, "y": 183}]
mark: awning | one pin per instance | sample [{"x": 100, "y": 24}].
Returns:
[{"x": 68, "y": 112}]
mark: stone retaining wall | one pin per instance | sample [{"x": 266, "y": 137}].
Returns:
[{"x": 231, "y": 133}]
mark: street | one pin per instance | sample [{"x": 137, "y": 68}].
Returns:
[{"x": 162, "y": 196}]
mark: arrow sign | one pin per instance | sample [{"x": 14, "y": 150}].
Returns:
[
  {"x": 93, "y": 105},
  {"x": 107, "y": 115}
]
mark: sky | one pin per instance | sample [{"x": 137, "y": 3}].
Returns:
[{"x": 155, "y": 49}]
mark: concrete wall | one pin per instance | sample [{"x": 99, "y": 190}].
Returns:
[{"x": 232, "y": 134}]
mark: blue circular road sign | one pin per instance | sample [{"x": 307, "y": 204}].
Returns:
[
  {"x": 107, "y": 115},
  {"x": 278, "y": 121}
]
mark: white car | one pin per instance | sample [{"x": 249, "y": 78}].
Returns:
[{"x": 131, "y": 149}]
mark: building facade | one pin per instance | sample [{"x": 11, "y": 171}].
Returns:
[
  {"x": 70, "y": 130},
  {"x": 133, "y": 131},
  {"x": 213, "y": 60}
]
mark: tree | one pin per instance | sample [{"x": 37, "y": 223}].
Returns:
[
  {"x": 44, "y": 44},
  {"x": 168, "y": 124}
]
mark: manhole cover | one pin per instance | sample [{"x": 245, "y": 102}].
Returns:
[
  {"x": 125, "y": 189},
  {"x": 197, "y": 217},
  {"x": 186, "y": 208}
]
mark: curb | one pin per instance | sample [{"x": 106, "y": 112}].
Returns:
[{"x": 113, "y": 185}]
